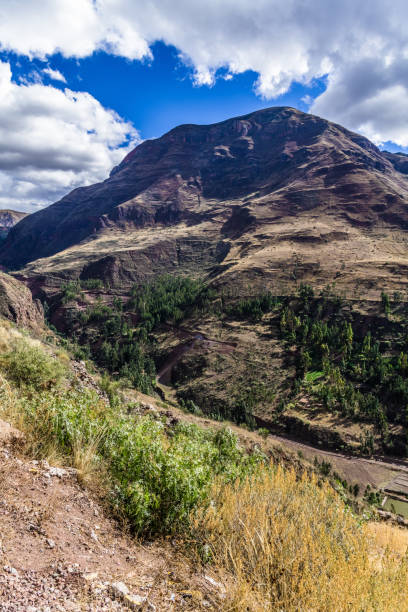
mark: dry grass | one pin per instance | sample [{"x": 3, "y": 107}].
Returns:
[
  {"x": 84, "y": 458},
  {"x": 386, "y": 536},
  {"x": 291, "y": 544}
]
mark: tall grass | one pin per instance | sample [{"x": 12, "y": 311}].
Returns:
[{"x": 290, "y": 543}]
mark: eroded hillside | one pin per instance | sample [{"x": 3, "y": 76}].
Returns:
[
  {"x": 277, "y": 196},
  {"x": 87, "y": 464}
]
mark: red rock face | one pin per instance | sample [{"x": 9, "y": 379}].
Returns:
[
  {"x": 272, "y": 163},
  {"x": 17, "y": 304}
]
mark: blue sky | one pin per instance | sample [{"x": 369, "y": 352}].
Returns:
[
  {"x": 158, "y": 94},
  {"x": 82, "y": 82}
]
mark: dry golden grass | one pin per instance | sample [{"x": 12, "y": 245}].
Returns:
[
  {"x": 387, "y": 536},
  {"x": 291, "y": 544}
]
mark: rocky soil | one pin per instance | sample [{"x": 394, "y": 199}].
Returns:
[{"x": 60, "y": 551}]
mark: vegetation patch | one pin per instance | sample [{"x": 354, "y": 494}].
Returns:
[
  {"x": 291, "y": 543},
  {"x": 154, "y": 479}
]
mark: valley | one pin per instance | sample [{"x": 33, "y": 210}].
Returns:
[
  {"x": 227, "y": 311},
  {"x": 277, "y": 205}
]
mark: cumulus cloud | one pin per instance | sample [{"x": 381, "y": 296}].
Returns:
[
  {"x": 54, "y": 75},
  {"x": 362, "y": 47},
  {"x": 370, "y": 96},
  {"x": 52, "y": 141}
]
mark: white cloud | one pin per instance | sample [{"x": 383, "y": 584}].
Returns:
[
  {"x": 282, "y": 42},
  {"x": 52, "y": 141},
  {"x": 308, "y": 100},
  {"x": 370, "y": 96},
  {"x": 54, "y": 75}
]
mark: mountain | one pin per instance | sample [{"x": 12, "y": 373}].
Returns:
[
  {"x": 276, "y": 195},
  {"x": 284, "y": 240},
  {"x": 8, "y": 219}
]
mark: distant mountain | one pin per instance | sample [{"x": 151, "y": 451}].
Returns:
[
  {"x": 8, "y": 219},
  {"x": 276, "y": 194}
]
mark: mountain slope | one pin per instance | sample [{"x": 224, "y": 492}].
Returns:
[
  {"x": 8, "y": 219},
  {"x": 247, "y": 193}
]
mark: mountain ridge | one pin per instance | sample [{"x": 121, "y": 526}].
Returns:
[
  {"x": 275, "y": 196},
  {"x": 163, "y": 180}
]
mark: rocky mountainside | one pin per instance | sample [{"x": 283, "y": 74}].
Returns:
[
  {"x": 17, "y": 304},
  {"x": 276, "y": 194},
  {"x": 8, "y": 219}
]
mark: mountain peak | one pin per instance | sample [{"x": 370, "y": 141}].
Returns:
[{"x": 270, "y": 163}]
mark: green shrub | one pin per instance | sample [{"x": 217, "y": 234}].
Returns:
[
  {"x": 156, "y": 481},
  {"x": 70, "y": 291},
  {"x": 262, "y": 431},
  {"x": 29, "y": 365},
  {"x": 92, "y": 283}
]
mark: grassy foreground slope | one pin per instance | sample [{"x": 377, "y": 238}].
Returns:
[{"x": 277, "y": 538}]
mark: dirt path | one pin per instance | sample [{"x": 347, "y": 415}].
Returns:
[
  {"x": 376, "y": 471},
  {"x": 60, "y": 551}
]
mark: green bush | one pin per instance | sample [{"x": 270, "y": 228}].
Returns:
[
  {"x": 29, "y": 365},
  {"x": 156, "y": 480},
  {"x": 70, "y": 291},
  {"x": 92, "y": 283}
]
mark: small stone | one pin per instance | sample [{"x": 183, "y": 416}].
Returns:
[
  {"x": 134, "y": 602},
  {"x": 58, "y": 472},
  {"x": 50, "y": 543},
  {"x": 90, "y": 577},
  {"x": 216, "y": 584},
  {"x": 120, "y": 589},
  {"x": 11, "y": 570},
  {"x": 94, "y": 536}
]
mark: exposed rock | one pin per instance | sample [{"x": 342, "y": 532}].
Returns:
[
  {"x": 8, "y": 219},
  {"x": 120, "y": 589},
  {"x": 17, "y": 304},
  {"x": 9, "y": 435}
]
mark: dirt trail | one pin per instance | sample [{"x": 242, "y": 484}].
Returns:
[
  {"x": 376, "y": 471},
  {"x": 60, "y": 551}
]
